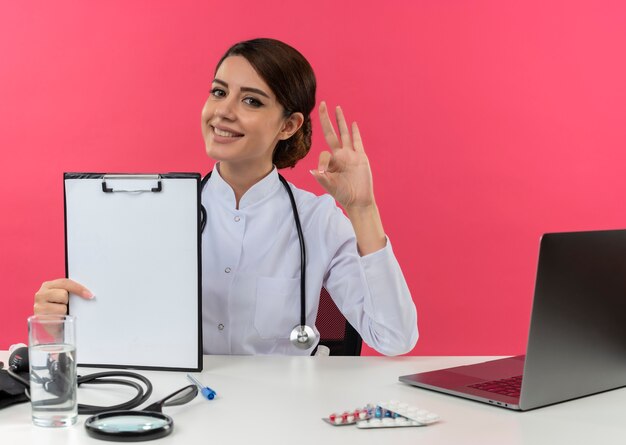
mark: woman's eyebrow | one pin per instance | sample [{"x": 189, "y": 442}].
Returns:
[{"x": 246, "y": 89}]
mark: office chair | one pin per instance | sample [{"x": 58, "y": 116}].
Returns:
[{"x": 336, "y": 333}]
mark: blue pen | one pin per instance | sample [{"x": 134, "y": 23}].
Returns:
[{"x": 207, "y": 392}]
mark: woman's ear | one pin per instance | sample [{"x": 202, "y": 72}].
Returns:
[{"x": 291, "y": 125}]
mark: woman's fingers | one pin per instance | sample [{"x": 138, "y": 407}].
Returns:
[
  {"x": 344, "y": 172},
  {"x": 53, "y": 296},
  {"x": 324, "y": 162},
  {"x": 49, "y": 309},
  {"x": 343, "y": 128},
  {"x": 327, "y": 127},
  {"x": 324, "y": 166},
  {"x": 356, "y": 138},
  {"x": 67, "y": 285},
  {"x": 344, "y": 140}
]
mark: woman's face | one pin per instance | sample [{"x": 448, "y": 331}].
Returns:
[{"x": 241, "y": 119}]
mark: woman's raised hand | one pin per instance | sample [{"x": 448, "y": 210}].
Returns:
[{"x": 344, "y": 171}]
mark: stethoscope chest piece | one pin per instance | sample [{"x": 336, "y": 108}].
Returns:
[{"x": 302, "y": 337}]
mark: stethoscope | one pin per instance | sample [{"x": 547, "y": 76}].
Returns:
[
  {"x": 302, "y": 336},
  {"x": 117, "y": 423}
]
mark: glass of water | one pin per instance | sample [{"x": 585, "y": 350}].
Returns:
[{"x": 52, "y": 357}]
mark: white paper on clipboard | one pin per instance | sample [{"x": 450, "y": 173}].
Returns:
[{"x": 134, "y": 242}]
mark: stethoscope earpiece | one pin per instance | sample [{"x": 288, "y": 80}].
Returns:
[{"x": 302, "y": 337}]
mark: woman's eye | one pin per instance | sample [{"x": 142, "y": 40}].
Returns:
[
  {"x": 253, "y": 102},
  {"x": 218, "y": 92}
]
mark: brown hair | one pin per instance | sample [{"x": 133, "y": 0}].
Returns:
[{"x": 291, "y": 79}]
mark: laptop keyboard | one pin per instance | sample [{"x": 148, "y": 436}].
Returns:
[{"x": 507, "y": 387}]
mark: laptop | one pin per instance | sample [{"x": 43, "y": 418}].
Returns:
[{"x": 577, "y": 337}]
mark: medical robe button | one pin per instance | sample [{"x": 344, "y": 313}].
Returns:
[
  {"x": 237, "y": 219},
  {"x": 220, "y": 327},
  {"x": 227, "y": 270}
]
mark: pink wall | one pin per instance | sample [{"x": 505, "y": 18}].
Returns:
[{"x": 487, "y": 124}]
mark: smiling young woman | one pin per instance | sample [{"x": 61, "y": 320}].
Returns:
[
  {"x": 242, "y": 123},
  {"x": 255, "y": 121}
]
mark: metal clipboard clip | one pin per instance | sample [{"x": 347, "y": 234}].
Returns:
[{"x": 156, "y": 178}]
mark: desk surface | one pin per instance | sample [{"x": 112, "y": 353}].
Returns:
[{"x": 276, "y": 400}]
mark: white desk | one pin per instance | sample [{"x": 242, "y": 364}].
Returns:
[{"x": 281, "y": 400}]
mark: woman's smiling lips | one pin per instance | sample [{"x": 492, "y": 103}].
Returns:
[{"x": 224, "y": 134}]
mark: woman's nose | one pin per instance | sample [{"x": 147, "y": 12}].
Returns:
[{"x": 225, "y": 109}]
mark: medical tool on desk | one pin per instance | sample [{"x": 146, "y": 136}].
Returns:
[
  {"x": 136, "y": 426},
  {"x": 19, "y": 364},
  {"x": 116, "y": 422},
  {"x": 302, "y": 336},
  {"x": 206, "y": 392}
]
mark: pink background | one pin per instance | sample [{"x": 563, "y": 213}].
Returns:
[{"x": 487, "y": 124}]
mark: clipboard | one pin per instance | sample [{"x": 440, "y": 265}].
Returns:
[{"x": 134, "y": 241}]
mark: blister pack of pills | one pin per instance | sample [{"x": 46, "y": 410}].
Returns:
[
  {"x": 398, "y": 414},
  {"x": 384, "y": 415},
  {"x": 350, "y": 417}
]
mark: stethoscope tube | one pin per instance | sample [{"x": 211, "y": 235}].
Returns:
[
  {"x": 302, "y": 336},
  {"x": 107, "y": 377},
  {"x": 296, "y": 218}
]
